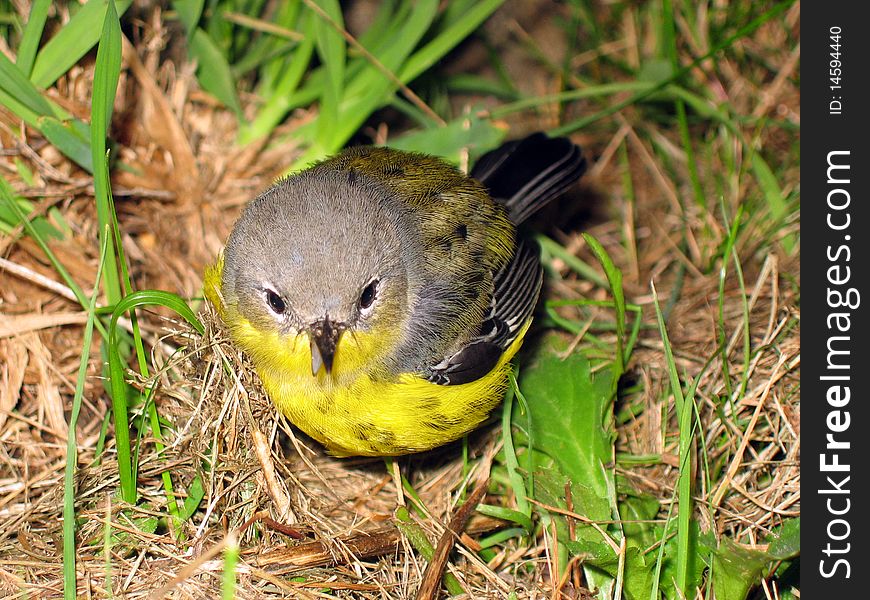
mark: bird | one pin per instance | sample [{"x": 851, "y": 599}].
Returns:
[{"x": 382, "y": 294}]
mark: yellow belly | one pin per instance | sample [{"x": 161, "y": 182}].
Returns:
[
  {"x": 363, "y": 415},
  {"x": 352, "y": 411}
]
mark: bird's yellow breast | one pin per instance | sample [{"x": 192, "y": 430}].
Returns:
[{"x": 355, "y": 412}]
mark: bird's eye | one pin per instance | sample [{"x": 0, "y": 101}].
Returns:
[
  {"x": 368, "y": 294},
  {"x": 277, "y": 305}
]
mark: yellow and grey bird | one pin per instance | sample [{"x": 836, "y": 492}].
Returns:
[{"x": 381, "y": 294}]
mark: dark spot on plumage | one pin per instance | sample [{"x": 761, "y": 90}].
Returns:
[
  {"x": 461, "y": 232},
  {"x": 446, "y": 241},
  {"x": 475, "y": 278},
  {"x": 323, "y": 405},
  {"x": 374, "y": 436},
  {"x": 351, "y": 176},
  {"x": 472, "y": 282},
  {"x": 436, "y": 425},
  {"x": 442, "y": 423},
  {"x": 394, "y": 170},
  {"x": 361, "y": 432},
  {"x": 385, "y": 437},
  {"x": 428, "y": 404},
  {"x": 365, "y": 431}
]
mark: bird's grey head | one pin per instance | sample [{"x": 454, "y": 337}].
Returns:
[{"x": 323, "y": 252}]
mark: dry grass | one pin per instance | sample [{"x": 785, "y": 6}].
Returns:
[{"x": 264, "y": 487}]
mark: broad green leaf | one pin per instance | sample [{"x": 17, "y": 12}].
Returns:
[
  {"x": 786, "y": 543},
  {"x": 550, "y": 489},
  {"x": 189, "y": 12},
  {"x": 736, "y": 569},
  {"x": 213, "y": 71},
  {"x": 571, "y": 415},
  {"x": 638, "y": 513},
  {"x": 471, "y": 134},
  {"x": 639, "y": 568}
]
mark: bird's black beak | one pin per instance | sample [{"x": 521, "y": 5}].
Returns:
[{"x": 324, "y": 339}]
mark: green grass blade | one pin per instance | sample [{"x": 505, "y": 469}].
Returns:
[
  {"x": 421, "y": 544},
  {"x": 268, "y": 52},
  {"x": 15, "y": 83},
  {"x": 772, "y": 194},
  {"x": 432, "y": 52},
  {"x": 592, "y": 91},
  {"x": 168, "y": 300},
  {"x": 392, "y": 49},
  {"x": 195, "y": 494},
  {"x": 583, "y": 269},
  {"x": 741, "y": 33},
  {"x": 231, "y": 560},
  {"x": 69, "y": 479},
  {"x": 10, "y": 218},
  {"x": 670, "y": 42},
  {"x": 106, "y": 73},
  {"x": 129, "y": 304},
  {"x": 20, "y": 110},
  {"x": 68, "y": 139},
  {"x": 722, "y": 336},
  {"x": 470, "y": 134},
  {"x": 26, "y": 102},
  {"x": 332, "y": 52},
  {"x": 512, "y": 464},
  {"x": 685, "y": 504},
  {"x": 119, "y": 394},
  {"x": 118, "y": 383},
  {"x": 32, "y": 36},
  {"x": 507, "y": 514},
  {"x": 73, "y": 41},
  {"x": 614, "y": 278},
  {"x": 282, "y": 98}
]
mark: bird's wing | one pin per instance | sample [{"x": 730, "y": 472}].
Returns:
[
  {"x": 516, "y": 290},
  {"x": 524, "y": 175}
]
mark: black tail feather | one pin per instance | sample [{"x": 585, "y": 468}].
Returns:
[{"x": 526, "y": 174}]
